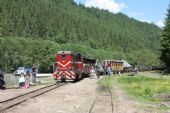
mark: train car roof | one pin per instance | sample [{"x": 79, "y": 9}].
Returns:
[
  {"x": 69, "y": 52},
  {"x": 66, "y": 52},
  {"x": 76, "y": 53},
  {"x": 112, "y": 60},
  {"x": 90, "y": 59}
]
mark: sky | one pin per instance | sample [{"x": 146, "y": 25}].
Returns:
[{"x": 151, "y": 11}]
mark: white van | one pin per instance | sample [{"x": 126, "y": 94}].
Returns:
[{"x": 20, "y": 70}]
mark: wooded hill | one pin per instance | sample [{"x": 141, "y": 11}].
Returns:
[{"x": 32, "y": 31}]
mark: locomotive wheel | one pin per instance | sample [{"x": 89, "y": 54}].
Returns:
[
  {"x": 80, "y": 76},
  {"x": 77, "y": 79}
]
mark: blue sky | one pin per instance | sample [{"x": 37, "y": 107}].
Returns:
[{"x": 152, "y": 11}]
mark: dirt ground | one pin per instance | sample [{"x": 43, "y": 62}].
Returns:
[
  {"x": 10, "y": 93},
  {"x": 78, "y": 98},
  {"x": 72, "y": 98}
]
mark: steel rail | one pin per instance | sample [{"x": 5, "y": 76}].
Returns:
[
  {"x": 95, "y": 100},
  {"x": 97, "y": 97},
  {"x": 4, "y": 105},
  {"x": 111, "y": 98}
]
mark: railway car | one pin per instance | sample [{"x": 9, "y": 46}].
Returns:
[
  {"x": 114, "y": 64},
  {"x": 71, "y": 66}
]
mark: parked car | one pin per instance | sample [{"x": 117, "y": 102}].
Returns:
[{"x": 23, "y": 70}]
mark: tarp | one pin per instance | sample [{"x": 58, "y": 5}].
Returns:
[{"x": 126, "y": 64}]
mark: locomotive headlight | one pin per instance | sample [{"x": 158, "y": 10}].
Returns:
[{"x": 57, "y": 67}]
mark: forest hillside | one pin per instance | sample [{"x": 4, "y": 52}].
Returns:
[{"x": 32, "y": 31}]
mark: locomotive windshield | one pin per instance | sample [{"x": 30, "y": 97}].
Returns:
[{"x": 63, "y": 56}]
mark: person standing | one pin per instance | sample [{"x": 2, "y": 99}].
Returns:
[
  {"x": 119, "y": 72},
  {"x": 22, "y": 80},
  {"x": 104, "y": 68},
  {"x": 2, "y": 82},
  {"x": 27, "y": 80},
  {"x": 34, "y": 71},
  {"x": 108, "y": 70},
  {"x": 92, "y": 72},
  {"x": 99, "y": 70},
  {"x": 136, "y": 70}
]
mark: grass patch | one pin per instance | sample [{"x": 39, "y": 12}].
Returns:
[
  {"x": 106, "y": 82},
  {"x": 164, "y": 108},
  {"x": 145, "y": 88}
]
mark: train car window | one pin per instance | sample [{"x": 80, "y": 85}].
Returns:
[
  {"x": 79, "y": 57},
  {"x": 63, "y": 56}
]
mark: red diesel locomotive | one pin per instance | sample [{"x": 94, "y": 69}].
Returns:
[{"x": 71, "y": 66}]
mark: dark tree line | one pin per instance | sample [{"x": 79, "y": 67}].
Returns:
[
  {"x": 165, "y": 42},
  {"x": 66, "y": 25}
]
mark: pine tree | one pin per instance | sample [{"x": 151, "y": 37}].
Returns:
[{"x": 165, "y": 41}]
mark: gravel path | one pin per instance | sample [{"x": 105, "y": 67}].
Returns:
[
  {"x": 10, "y": 93},
  {"x": 123, "y": 104},
  {"x": 72, "y": 98}
]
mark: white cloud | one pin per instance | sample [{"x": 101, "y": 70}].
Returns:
[
  {"x": 160, "y": 23},
  {"x": 109, "y": 5}
]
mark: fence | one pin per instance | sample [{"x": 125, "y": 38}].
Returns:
[{"x": 11, "y": 80}]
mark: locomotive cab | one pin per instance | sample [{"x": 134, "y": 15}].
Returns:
[
  {"x": 71, "y": 66},
  {"x": 63, "y": 65}
]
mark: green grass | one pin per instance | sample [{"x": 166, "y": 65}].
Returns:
[
  {"x": 163, "y": 108},
  {"x": 106, "y": 81},
  {"x": 145, "y": 87}
]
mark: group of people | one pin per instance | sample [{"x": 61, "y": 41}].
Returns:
[
  {"x": 95, "y": 71},
  {"x": 102, "y": 69},
  {"x": 24, "y": 80},
  {"x": 99, "y": 69}
]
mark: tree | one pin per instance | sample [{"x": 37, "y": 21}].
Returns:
[{"x": 165, "y": 41}]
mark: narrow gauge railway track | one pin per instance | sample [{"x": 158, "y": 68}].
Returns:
[
  {"x": 103, "y": 102},
  {"x": 4, "y": 105}
]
